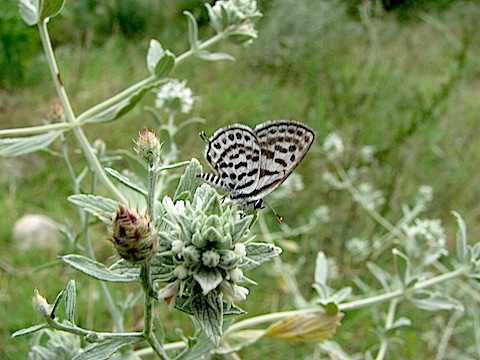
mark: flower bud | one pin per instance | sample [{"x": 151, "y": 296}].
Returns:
[
  {"x": 228, "y": 259},
  {"x": 148, "y": 147},
  {"x": 40, "y": 304},
  {"x": 177, "y": 246},
  {"x": 240, "y": 249},
  {"x": 180, "y": 272},
  {"x": 236, "y": 275},
  {"x": 210, "y": 258},
  {"x": 191, "y": 255},
  {"x": 133, "y": 235}
]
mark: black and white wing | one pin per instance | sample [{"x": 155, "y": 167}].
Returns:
[
  {"x": 234, "y": 154},
  {"x": 283, "y": 144}
]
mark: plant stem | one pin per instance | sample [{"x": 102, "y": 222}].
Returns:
[
  {"x": 388, "y": 324},
  {"x": 442, "y": 346},
  {"x": 92, "y": 159},
  {"x": 149, "y": 315},
  {"x": 357, "y": 304},
  {"x": 97, "y": 336},
  {"x": 33, "y": 130},
  {"x": 114, "y": 313}
]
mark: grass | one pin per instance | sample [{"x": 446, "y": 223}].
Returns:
[{"x": 369, "y": 102}]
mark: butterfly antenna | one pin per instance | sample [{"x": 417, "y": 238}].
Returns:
[
  {"x": 277, "y": 217},
  {"x": 203, "y": 136}
]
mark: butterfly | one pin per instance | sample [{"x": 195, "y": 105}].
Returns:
[{"x": 250, "y": 164}]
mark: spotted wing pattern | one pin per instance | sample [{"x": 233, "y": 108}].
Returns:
[
  {"x": 283, "y": 145},
  {"x": 251, "y": 164},
  {"x": 234, "y": 153}
]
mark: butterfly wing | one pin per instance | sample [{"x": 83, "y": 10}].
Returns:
[
  {"x": 283, "y": 144},
  {"x": 234, "y": 154}
]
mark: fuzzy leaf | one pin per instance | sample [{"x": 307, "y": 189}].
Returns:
[
  {"x": 208, "y": 310},
  {"x": 97, "y": 270},
  {"x": 57, "y": 301},
  {"x": 381, "y": 275},
  {"x": 182, "y": 303},
  {"x": 126, "y": 181},
  {"x": 101, "y": 207},
  {"x": 403, "y": 321},
  {"x": 70, "y": 301},
  {"x": 241, "y": 227},
  {"x": 427, "y": 300},
  {"x": 259, "y": 253},
  {"x": 202, "y": 346},
  {"x": 51, "y": 8},
  {"x": 208, "y": 280},
  {"x": 192, "y": 30},
  {"x": 321, "y": 269},
  {"x": 462, "y": 242},
  {"x": 305, "y": 327},
  {"x": 208, "y": 56},
  {"x": 122, "y": 107},
  {"x": 105, "y": 349},
  {"x": 28, "y": 330},
  {"x": 341, "y": 295},
  {"x": 28, "y": 144},
  {"x": 29, "y": 11},
  {"x": 160, "y": 62},
  {"x": 123, "y": 267},
  {"x": 189, "y": 181},
  {"x": 402, "y": 266}
]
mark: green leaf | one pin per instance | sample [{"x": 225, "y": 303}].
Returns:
[
  {"x": 29, "y": 11},
  {"x": 258, "y": 253},
  {"x": 427, "y": 300},
  {"x": 192, "y": 30},
  {"x": 208, "y": 56},
  {"x": 70, "y": 301},
  {"x": 241, "y": 227},
  {"x": 189, "y": 181},
  {"x": 208, "y": 280},
  {"x": 56, "y": 303},
  {"x": 341, "y": 295},
  {"x": 201, "y": 347},
  {"x": 122, "y": 107},
  {"x": 98, "y": 270},
  {"x": 381, "y": 275},
  {"x": 105, "y": 349},
  {"x": 462, "y": 242},
  {"x": 321, "y": 269},
  {"x": 27, "y": 145},
  {"x": 402, "y": 266},
  {"x": 160, "y": 62},
  {"x": 28, "y": 330},
  {"x": 51, "y": 8},
  {"x": 125, "y": 181},
  {"x": 208, "y": 310},
  {"x": 98, "y": 206},
  {"x": 403, "y": 321}
]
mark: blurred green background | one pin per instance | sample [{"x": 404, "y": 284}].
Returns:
[{"x": 401, "y": 76}]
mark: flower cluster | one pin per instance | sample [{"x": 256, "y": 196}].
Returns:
[
  {"x": 236, "y": 18},
  {"x": 175, "y": 96},
  {"x": 209, "y": 247}
]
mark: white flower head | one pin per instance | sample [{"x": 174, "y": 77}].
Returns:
[
  {"x": 171, "y": 208},
  {"x": 333, "y": 145},
  {"x": 431, "y": 231},
  {"x": 233, "y": 292},
  {"x": 175, "y": 96}
]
